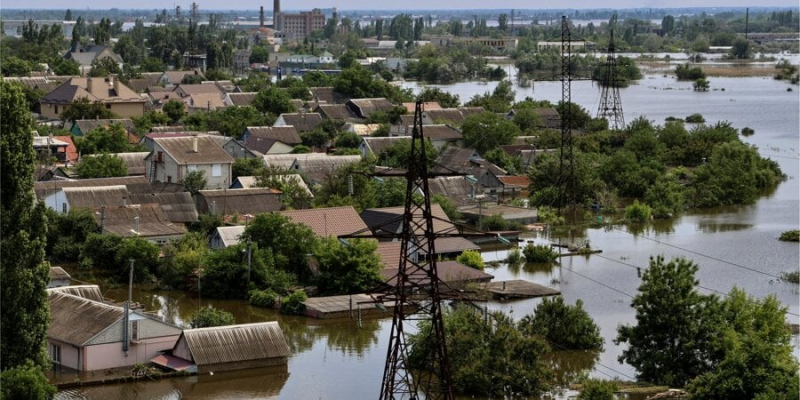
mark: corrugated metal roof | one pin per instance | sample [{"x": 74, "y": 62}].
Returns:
[
  {"x": 447, "y": 271},
  {"x": 133, "y": 161},
  {"x": 75, "y": 320},
  {"x": 97, "y": 196},
  {"x": 91, "y": 292},
  {"x": 285, "y": 134},
  {"x": 135, "y": 184},
  {"x": 208, "y": 150},
  {"x": 286, "y": 160},
  {"x": 236, "y": 343},
  {"x": 58, "y": 273},
  {"x": 177, "y": 207},
  {"x": 334, "y": 111},
  {"x": 327, "y": 94},
  {"x": 317, "y": 169},
  {"x": 377, "y": 145},
  {"x": 239, "y": 201},
  {"x": 303, "y": 122},
  {"x": 363, "y": 108},
  {"x": 381, "y": 216},
  {"x": 152, "y": 221},
  {"x": 242, "y": 99},
  {"x": 334, "y": 221},
  {"x": 230, "y": 234}
]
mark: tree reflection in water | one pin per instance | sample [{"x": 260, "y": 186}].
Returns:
[
  {"x": 344, "y": 336},
  {"x": 569, "y": 366}
]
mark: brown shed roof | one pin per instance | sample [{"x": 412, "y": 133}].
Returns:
[
  {"x": 101, "y": 89},
  {"x": 208, "y": 150},
  {"x": 334, "y": 221},
  {"x": 335, "y": 111},
  {"x": 236, "y": 343},
  {"x": 513, "y": 180},
  {"x": 76, "y": 320},
  {"x": 242, "y": 99}
]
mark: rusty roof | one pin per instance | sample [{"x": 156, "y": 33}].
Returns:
[
  {"x": 76, "y": 320},
  {"x": 334, "y": 221},
  {"x": 513, "y": 180},
  {"x": 236, "y": 343}
]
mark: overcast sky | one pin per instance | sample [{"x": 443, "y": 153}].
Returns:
[{"x": 407, "y": 4}]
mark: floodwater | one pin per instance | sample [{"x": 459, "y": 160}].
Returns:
[{"x": 734, "y": 246}]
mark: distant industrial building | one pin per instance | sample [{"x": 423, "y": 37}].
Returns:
[{"x": 297, "y": 26}]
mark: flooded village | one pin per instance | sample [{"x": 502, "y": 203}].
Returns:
[{"x": 347, "y": 204}]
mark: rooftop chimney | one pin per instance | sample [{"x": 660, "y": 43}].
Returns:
[
  {"x": 194, "y": 144},
  {"x": 89, "y": 84}
]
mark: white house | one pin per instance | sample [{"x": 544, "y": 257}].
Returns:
[{"x": 173, "y": 158}]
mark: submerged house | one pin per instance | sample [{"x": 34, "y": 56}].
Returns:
[
  {"x": 225, "y": 348},
  {"x": 88, "y": 335}
]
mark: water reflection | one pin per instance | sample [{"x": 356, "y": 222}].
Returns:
[
  {"x": 714, "y": 227},
  {"x": 344, "y": 336},
  {"x": 569, "y": 366}
]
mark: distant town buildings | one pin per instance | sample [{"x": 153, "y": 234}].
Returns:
[{"x": 297, "y": 26}]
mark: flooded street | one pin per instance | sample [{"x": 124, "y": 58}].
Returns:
[{"x": 734, "y": 246}]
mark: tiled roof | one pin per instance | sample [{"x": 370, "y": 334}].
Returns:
[
  {"x": 334, "y": 221},
  {"x": 512, "y": 180},
  {"x": 72, "y": 151},
  {"x": 428, "y": 105},
  {"x": 101, "y": 89}
]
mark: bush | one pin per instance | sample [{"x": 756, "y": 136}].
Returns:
[
  {"x": 686, "y": 72},
  {"x": 638, "y": 212},
  {"x": 790, "y": 236},
  {"x": 471, "y": 258},
  {"x": 25, "y": 382},
  {"x": 564, "y": 326},
  {"x": 209, "y": 317},
  {"x": 695, "y": 119},
  {"x": 748, "y": 131},
  {"x": 596, "y": 389},
  {"x": 701, "y": 85},
  {"x": 793, "y": 277},
  {"x": 539, "y": 253},
  {"x": 514, "y": 256},
  {"x": 293, "y": 303},
  {"x": 263, "y": 298},
  {"x": 494, "y": 223}
]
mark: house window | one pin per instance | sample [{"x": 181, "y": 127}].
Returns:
[
  {"x": 63, "y": 208},
  {"x": 108, "y": 106},
  {"x": 56, "y": 108},
  {"x": 191, "y": 168},
  {"x": 169, "y": 179},
  {"x": 216, "y": 170},
  {"x": 135, "y": 330},
  {"x": 55, "y": 353}
]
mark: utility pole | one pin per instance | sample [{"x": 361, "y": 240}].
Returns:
[
  {"x": 127, "y": 308},
  {"x": 249, "y": 260}
]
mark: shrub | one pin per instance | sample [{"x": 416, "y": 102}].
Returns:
[
  {"x": 695, "y": 119},
  {"x": 494, "y": 223},
  {"x": 514, "y": 256},
  {"x": 748, "y": 131},
  {"x": 596, "y": 389},
  {"x": 793, "y": 277},
  {"x": 686, "y": 72},
  {"x": 471, "y": 258},
  {"x": 790, "y": 236},
  {"x": 209, "y": 317},
  {"x": 638, "y": 212},
  {"x": 701, "y": 85},
  {"x": 539, "y": 253},
  {"x": 293, "y": 303},
  {"x": 564, "y": 326},
  {"x": 671, "y": 119},
  {"x": 263, "y": 298},
  {"x": 25, "y": 382}
]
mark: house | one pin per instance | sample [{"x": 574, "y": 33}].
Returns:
[
  {"x": 239, "y": 201},
  {"x": 526, "y": 152},
  {"x": 440, "y": 135},
  {"x": 377, "y": 145},
  {"x": 147, "y": 221},
  {"x": 148, "y": 140},
  {"x": 146, "y": 80},
  {"x": 251, "y": 182},
  {"x": 449, "y": 272},
  {"x": 362, "y": 129},
  {"x": 226, "y": 236},
  {"x": 363, "y": 108},
  {"x": 303, "y": 122},
  {"x": 89, "y": 292},
  {"x": 335, "y": 111},
  {"x": 285, "y": 134},
  {"x": 49, "y": 146},
  {"x": 474, "y": 213},
  {"x": 512, "y": 187},
  {"x": 204, "y": 102},
  {"x": 58, "y": 277},
  {"x": 173, "y": 158},
  {"x": 328, "y": 95},
  {"x": 85, "y": 55},
  {"x": 134, "y": 162},
  {"x": 174, "y": 78},
  {"x": 225, "y": 348},
  {"x": 455, "y": 188},
  {"x": 426, "y": 106},
  {"x": 235, "y": 148},
  {"x": 239, "y": 99},
  {"x": 185, "y": 90},
  {"x": 87, "y": 335},
  {"x": 318, "y": 168},
  {"x": 117, "y": 97},
  {"x": 326, "y": 58},
  {"x": 450, "y": 116},
  {"x": 178, "y": 207},
  {"x": 241, "y": 61},
  {"x": 333, "y": 221},
  {"x": 285, "y": 161},
  {"x": 82, "y": 126},
  {"x": 67, "y": 198},
  {"x": 134, "y": 184},
  {"x": 469, "y": 162}
]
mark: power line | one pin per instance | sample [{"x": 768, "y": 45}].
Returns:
[{"x": 600, "y": 283}]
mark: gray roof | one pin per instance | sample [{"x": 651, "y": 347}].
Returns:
[
  {"x": 180, "y": 149},
  {"x": 377, "y": 145},
  {"x": 97, "y": 196},
  {"x": 230, "y": 234},
  {"x": 328, "y": 94},
  {"x": 177, "y": 207},
  {"x": 285, "y": 134},
  {"x": 152, "y": 221},
  {"x": 134, "y": 162},
  {"x": 389, "y": 219},
  {"x": 439, "y": 132},
  {"x": 454, "y": 115},
  {"x": 335, "y": 111},
  {"x": 236, "y": 343},
  {"x": 455, "y": 188},
  {"x": 90, "y": 292},
  {"x": 317, "y": 169},
  {"x": 465, "y": 161},
  {"x": 86, "y": 125},
  {"x": 239, "y": 201},
  {"x": 76, "y": 320},
  {"x": 303, "y": 122},
  {"x": 134, "y": 184},
  {"x": 363, "y": 108},
  {"x": 242, "y": 99},
  {"x": 58, "y": 273}
]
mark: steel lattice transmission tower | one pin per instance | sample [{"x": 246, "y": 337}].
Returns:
[
  {"x": 610, "y": 102},
  {"x": 566, "y": 177}
]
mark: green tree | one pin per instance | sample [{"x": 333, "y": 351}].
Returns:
[
  {"x": 175, "y": 110},
  {"x": 102, "y": 165},
  {"x": 564, "y": 326},
  {"x": 152, "y": 64},
  {"x": 595, "y": 389},
  {"x": 208, "y": 317},
  {"x": 347, "y": 268},
  {"x": 273, "y": 100},
  {"x": 83, "y": 108},
  {"x": 671, "y": 342},
  {"x": 225, "y": 272},
  {"x": 23, "y": 229},
  {"x": 487, "y": 130},
  {"x": 26, "y": 381},
  {"x": 195, "y": 181},
  {"x": 259, "y": 54},
  {"x": 104, "y": 67},
  {"x": 445, "y": 99},
  {"x": 289, "y": 242},
  {"x": 110, "y": 139},
  {"x": 741, "y": 48},
  {"x": 316, "y": 79},
  {"x": 14, "y": 66},
  {"x": 247, "y": 167},
  {"x": 144, "y": 254},
  {"x": 701, "y": 85},
  {"x": 396, "y": 155},
  {"x": 348, "y": 140},
  {"x": 471, "y": 258}
]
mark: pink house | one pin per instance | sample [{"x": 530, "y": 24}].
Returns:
[{"x": 88, "y": 335}]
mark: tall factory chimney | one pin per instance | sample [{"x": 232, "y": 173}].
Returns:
[
  {"x": 277, "y": 22},
  {"x": 261, "y": 17}
]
